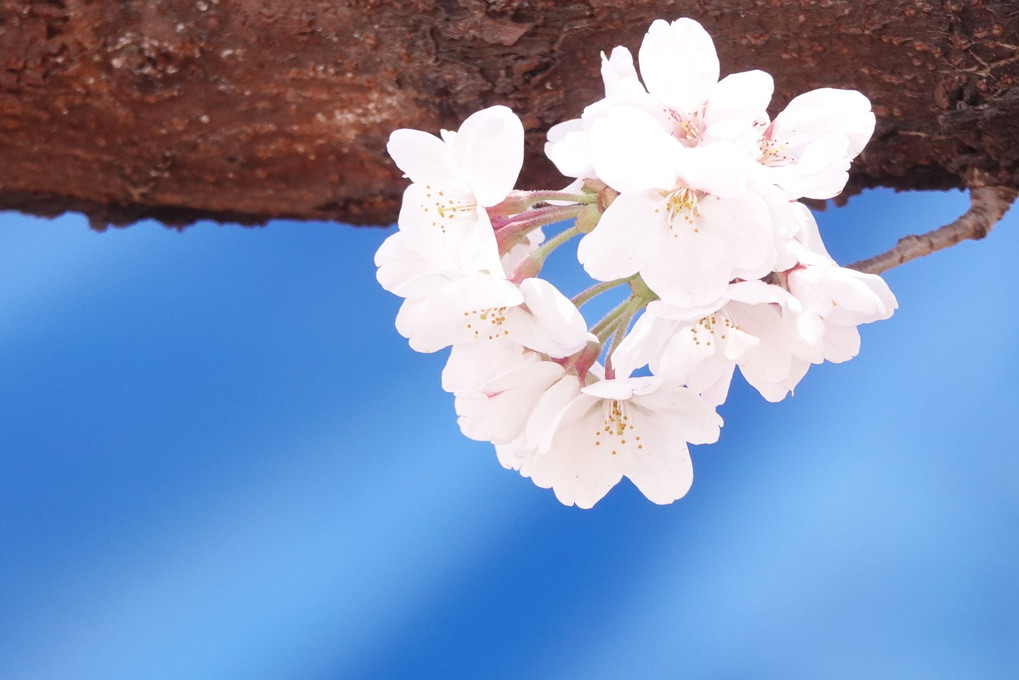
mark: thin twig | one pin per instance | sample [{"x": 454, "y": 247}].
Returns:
[{"x": 987, "y": 206}]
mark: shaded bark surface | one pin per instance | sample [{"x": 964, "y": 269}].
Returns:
[{"x": 245, "y": 110}]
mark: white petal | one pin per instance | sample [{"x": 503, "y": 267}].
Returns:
[
  {"x": 441, "y": 225},
  {"x": 618, "y": 73},
  {"x": 758, "y": 292},
  {"x": 738, "y": 106},
  {"x": 678, "y": 64},
  {"x": 621, "y": 388},
  {"x": 692, "y": 267},
  {"x": 841, "y": 343},
  {"x": 471, "y": 364},
  {"x": 822, "y": 112},
  {"x": 629, "y": 234},
  {"x": 425, "y": 330},
  {"x": 683, "y": 414},
  {"x": 489, "y": 150},
  {"x": 562, "y": 402},
  {"x": 499, "y": 411},
  {"x": 424, "y": 158},
  {"x": 631, "y": 152},
  {"x": 644, "y": 344},
  {"x": 744, "y": 222},
  {"x": 569, "y": 147},
  {"x": 720, "y": 168},
  {"x": 661, "y": 469},
  {"x": 562, "y": 329},
  {"x": 480, "y": 291},
  {"x": 397, "y": 262},
  {"x": 578, "y": 471}
]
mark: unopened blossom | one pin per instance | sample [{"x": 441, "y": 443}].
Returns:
[{"x": 633, "y": 427}]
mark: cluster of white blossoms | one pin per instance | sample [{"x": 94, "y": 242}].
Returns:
[{"x": 686, "y": 193}]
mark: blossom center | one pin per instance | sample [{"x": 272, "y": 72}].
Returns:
[
  {"x": 445, "y": 207},
  {"x": 773, "y": 152},
  {"x": 617, "y": 426},
  {"x": 709, "y": 328},
  {"x": 686, "y": 129},
  {"x": 486, "y": 323},
  {"x": 681, "y": 206}
]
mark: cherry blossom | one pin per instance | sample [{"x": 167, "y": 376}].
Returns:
[
  {"x": 684, "y": 195},
  {"x": 684, "y": 219},
  {"x": 455, "y": 179},
  {"x": 747, "y": 327},
  {"x": 807, "y": 149},
  {"x": 633, "y": 427},
  {"x": 480, "y": 307}
]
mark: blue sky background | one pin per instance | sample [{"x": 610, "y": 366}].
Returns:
[{"x": 219, "y": 460}]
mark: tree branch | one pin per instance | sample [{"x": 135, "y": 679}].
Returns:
[{"x": 987, "y": 206}]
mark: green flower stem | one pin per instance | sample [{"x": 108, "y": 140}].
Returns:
[
  {"x": 532, "y": 264},
  {"x": 604, "y": 329},
  {"x": 621, "y": 326},
  {"x": 542, "y": 196},
  {"x": 512, "y": 233},
  {"x": 520, "y": 201},
  {"x": 554, "y": 242},
  {"x": 595, "y": 290}
]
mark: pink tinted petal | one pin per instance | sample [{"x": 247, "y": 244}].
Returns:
[
  {"x": 511, "y": 455},
  {"x": 499, "y": 411},
  {"x": 629, "y": 234},
  {"x": 823, "y": 168},
  {"x": 489, "y": 150},
  {"x": 678, "y": 64}
]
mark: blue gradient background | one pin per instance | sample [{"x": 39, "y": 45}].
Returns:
[{"x": 219, "y": 460}]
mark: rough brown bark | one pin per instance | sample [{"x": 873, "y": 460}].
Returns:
[{"x": 246, "y": 110}]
